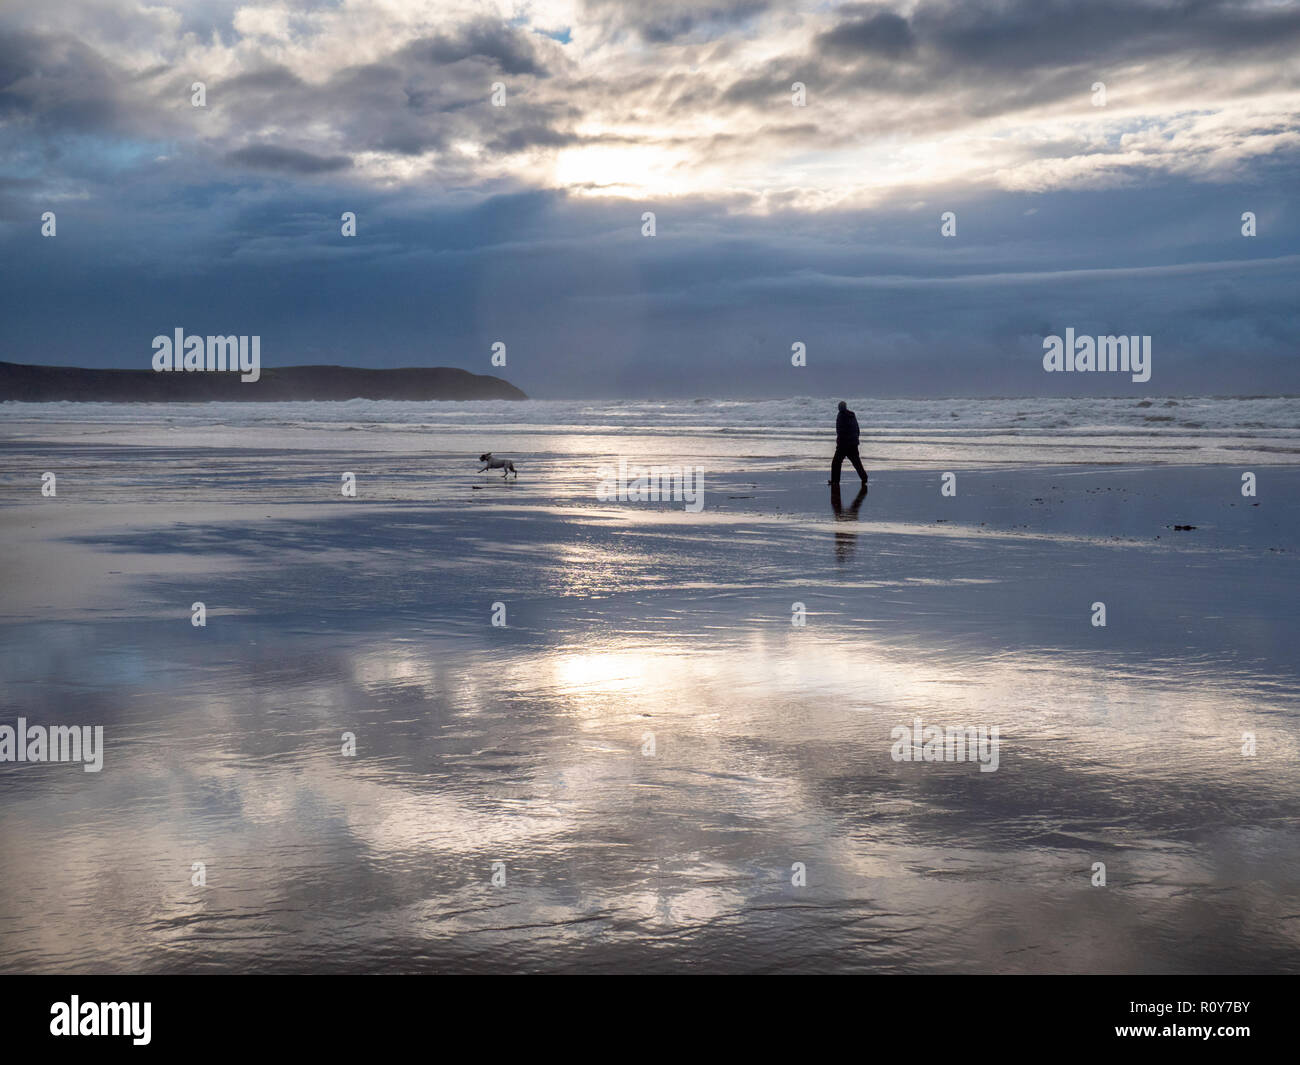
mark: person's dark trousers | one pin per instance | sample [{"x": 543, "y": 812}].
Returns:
[{"x": 842, "y": 453}]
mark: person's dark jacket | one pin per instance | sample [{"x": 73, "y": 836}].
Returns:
[{"x": 846, "y": 429}]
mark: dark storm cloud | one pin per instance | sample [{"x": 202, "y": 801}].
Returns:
[
  {"x": 55, "y": 80},
  {"x": 520, "y": 138},
  {"x": 1028, "y": 33},
  {"x": 510, "y": 50},
  {"x": 286, "y": 160},
  {"x": 269, "y": 79},
  {"x": 1017, "y": 34},
  {"x": 669, "y": 20},
  {"x": 869, "y": 31},
  {"x": 947, "y": 61},
  {"x": 418, "y": 97}
]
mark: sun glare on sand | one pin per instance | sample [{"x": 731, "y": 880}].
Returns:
[{"x": 582, "y": 673}]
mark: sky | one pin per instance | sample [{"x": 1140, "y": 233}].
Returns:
[{"x": 1098, "y": 157}]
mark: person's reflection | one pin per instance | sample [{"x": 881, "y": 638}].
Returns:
[{"x": 845, "y": 542}]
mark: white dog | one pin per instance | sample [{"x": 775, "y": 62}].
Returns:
[{"x": 504, "y": 465}]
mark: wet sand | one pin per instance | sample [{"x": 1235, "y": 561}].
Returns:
[{"x": 649, "y": 745}]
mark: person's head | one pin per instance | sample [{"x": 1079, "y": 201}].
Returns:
[{"x": 843, "y": 405}]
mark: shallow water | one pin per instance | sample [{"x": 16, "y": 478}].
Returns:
[
  {"x": 649, "y": 745},
  {"x": 896, "y": 433}
]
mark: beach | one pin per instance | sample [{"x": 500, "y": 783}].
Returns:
[{"x": 597, "y": 735}]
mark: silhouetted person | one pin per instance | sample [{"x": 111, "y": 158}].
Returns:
[
  {"x": 845, "y": 542},
  {"x": 846, "y": 444}
]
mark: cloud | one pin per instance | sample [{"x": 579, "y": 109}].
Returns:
[
  {"x": 287, "y": 160},
  {"x": 57, "y": 81},
  {"x": 775, "y": 222},
  {"x": 507, "y": 49},
  {"x": 877, "y": 33},
  {"x": 667, "y": 21}
]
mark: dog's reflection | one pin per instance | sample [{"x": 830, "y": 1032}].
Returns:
[{"x": 845, "y": 542}]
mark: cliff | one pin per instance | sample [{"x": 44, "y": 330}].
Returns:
[{"x": 48, "y": 384}]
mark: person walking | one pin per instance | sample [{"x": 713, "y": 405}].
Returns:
[{"x": 846, "y": 444}]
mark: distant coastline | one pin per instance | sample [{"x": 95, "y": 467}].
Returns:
[{"x": 62, "y": 384}]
